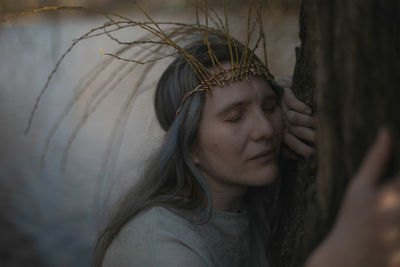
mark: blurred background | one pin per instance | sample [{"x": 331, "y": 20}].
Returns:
[{"x": 51, "y": 212}]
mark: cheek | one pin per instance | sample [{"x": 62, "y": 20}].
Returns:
[
  {"x": 278, "y": 121},
  {"x": 223, "y": 142},
  {"x": 220, "y": 144},
  {"x": 279, "y": 128}
]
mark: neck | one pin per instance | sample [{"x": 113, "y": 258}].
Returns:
[
  {"x": 226, "y": 197},
  {"x": 226, "y": 203}
]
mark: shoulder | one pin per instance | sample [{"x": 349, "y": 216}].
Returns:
[
  {"x": 156, "y": 216},
  {"x": 155, "y": 236},
  {"x": 155, "y": 223}
]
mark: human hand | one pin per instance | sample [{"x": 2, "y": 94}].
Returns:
[
  {"x": 367, "y": 229},
  {"x": 299, "y": 123}
]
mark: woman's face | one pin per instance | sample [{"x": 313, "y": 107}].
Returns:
[{"x": 240, "y": 134}]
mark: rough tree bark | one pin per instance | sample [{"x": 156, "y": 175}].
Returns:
[
  {"x": 351, "y": 54},
  {"x": 356, "y": 68},
  {"x": 298, "y": 177}
]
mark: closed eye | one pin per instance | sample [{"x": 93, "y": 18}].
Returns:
[{"x": 234, "y": 116}]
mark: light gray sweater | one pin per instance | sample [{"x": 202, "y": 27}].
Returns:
[{"x": 159, "y": 237}]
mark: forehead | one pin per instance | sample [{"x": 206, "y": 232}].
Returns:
[{"x": 253, "y": 90}]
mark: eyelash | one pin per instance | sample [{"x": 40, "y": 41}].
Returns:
[
  {"x": 236, "y": 118},
  {"x": 239, "y": 115}
]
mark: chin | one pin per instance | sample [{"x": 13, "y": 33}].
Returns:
[{"x": 265, "y": 176}]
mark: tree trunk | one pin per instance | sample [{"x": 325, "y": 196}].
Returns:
[
  {"x": 351, "y": 53},
  {"x": 298, "y": 178},
  {"x": 355, "y": 67}
]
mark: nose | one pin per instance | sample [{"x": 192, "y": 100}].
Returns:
[{"x": 262, "y": 127}]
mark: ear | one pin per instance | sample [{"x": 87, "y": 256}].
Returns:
[{"x": 194, "y": 154}]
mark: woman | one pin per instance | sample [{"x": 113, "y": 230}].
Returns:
[{"x": 207, "y": 197}]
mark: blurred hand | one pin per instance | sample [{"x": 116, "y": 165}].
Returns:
[
  {"x": 367, "y": 230},
  {"x": 299, "y": 123}
]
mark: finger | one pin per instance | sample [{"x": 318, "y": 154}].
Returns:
[
  {"x": 377, "y": 158},
  {"x": 304, "y": 133},
  {"x": 297, "y": 145},
  {"x": 294, "y": 103},
  {"x": 300, "y": 119}
]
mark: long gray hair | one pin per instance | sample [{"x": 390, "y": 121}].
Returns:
[{"x": 171, "y": 179}]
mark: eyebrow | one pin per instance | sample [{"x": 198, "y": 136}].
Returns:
[
  {"x": 236, "y": 104},
  {"x": 233, "y": 105}
]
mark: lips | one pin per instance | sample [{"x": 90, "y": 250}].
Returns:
[{"x": 264, "y": 155}]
